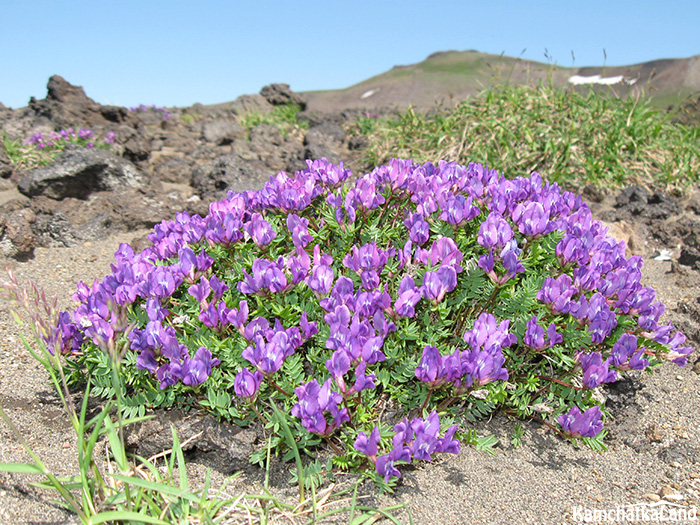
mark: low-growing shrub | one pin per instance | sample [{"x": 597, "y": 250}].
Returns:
[{"x": 436, "y": 293}]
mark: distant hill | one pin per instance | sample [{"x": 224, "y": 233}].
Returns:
[{"x": 451, "y": 76}]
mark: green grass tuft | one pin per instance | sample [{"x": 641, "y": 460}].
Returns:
[{"x": 572, "y": 138}]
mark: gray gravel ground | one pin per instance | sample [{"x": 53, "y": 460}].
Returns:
[{"x": 654, "y": 446}]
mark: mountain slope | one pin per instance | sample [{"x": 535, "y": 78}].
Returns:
[{"x": 450, "y": 76}]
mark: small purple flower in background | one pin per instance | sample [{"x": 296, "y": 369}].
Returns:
[
  {"x": 483, "y": 367},
  {"x": 558, "y": 293},
  {"x": 625, "y": 354},
  {"x": 238, "y": 316},
  {"x": 247, "y": 383},
  {"x": 456, "y": 209},
  {"x": 595, "y": 370},
  {"x": 586, "y": 424},
  {"x": 200, "y": 291},
  {"x": 535, "y": 335},
  {"x": 677, "y": 354},
  {"x": 339, "y": 365},
  {"x": 162, "y": 284},
  {"x": 147, "y": 361},
  {"x": 512, "y": 265}
]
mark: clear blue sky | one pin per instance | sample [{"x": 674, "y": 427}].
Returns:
[{"x": 176, "y": 52}]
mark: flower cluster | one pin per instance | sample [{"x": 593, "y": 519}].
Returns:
[
  {"x": 478, "y": 366},
  {"x": 161, "y": 112},
  {"x": 423, "y": 284},
  {"x": 58, "y": 139},
  {"x": 418, "y": 439}
]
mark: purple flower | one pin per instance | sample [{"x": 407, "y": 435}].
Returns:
[
  {"x": 534, "y": 334},
  {"x": 314, "y": 401},
  {"x": 418, "y": 228},
  {"x": 677, "y": 353},
  {"x": 447, "y": 443},
  {"x": 586, "y": 424},
  {"x": 200, "y": 291},
  {"x": 557, "y": 293},
  {"x": 532, "y": 219},
  {"x": 362, "y": 380},
  {"x": 494, "y": 231},
  {"x": 456, "y": 209},
  {"x": 247, "y": 383},
  {"x": 408, "y": 297},
  {"x": 371, "y": 350},
  {"x": 308, "y": 329},
  {"x": 196, "y": 370},
  {"x": 260, "y": 230},
  {"x": 595, "y": 370},
  {"x": 169, "y": 374},
  {"x": 339, "y": 365},
  {"x": 367, "y": 445},
  {"x": 321, "y": 279},
  {"x": 482, "y": 367},
  {"x": 147, "y": 361},
  {"x": 437, "y": 284},
  {"x": 299, "y": 228},
  {"x": 238, "y": 317},
  {"x": 385, "y": 465},
  {"x": 512, "y": 264},
  {"x": 429, "y": 370},
  {"x": 161, "y": 283}
]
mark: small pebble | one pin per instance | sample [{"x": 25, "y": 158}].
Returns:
[
  {"x": 652, "y": 497},
  {"x": 666, "y": 490},
  {"x": 680, "y": 378},
  {"x": 675, "y": 464}
]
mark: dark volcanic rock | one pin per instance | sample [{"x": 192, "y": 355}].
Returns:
[
  {"x": 324, "y": 141},
  {"x": 80, "y": 172},
  {"x": 280, "y": 94},
  {"x": 213, "y": 180},
  {"x": 5, "y": 164},
  {"x": 66, "y": 104},
  {"x": 222, "y": 132},
  {"x": 116, "y": 114}
]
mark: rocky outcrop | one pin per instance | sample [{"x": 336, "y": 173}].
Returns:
[
  {"x": 78, "y": 173},
  {"x": 66, "y": 104},
  {"x": 280, "y": 94},
  {"x": 155, "y": 167}
]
